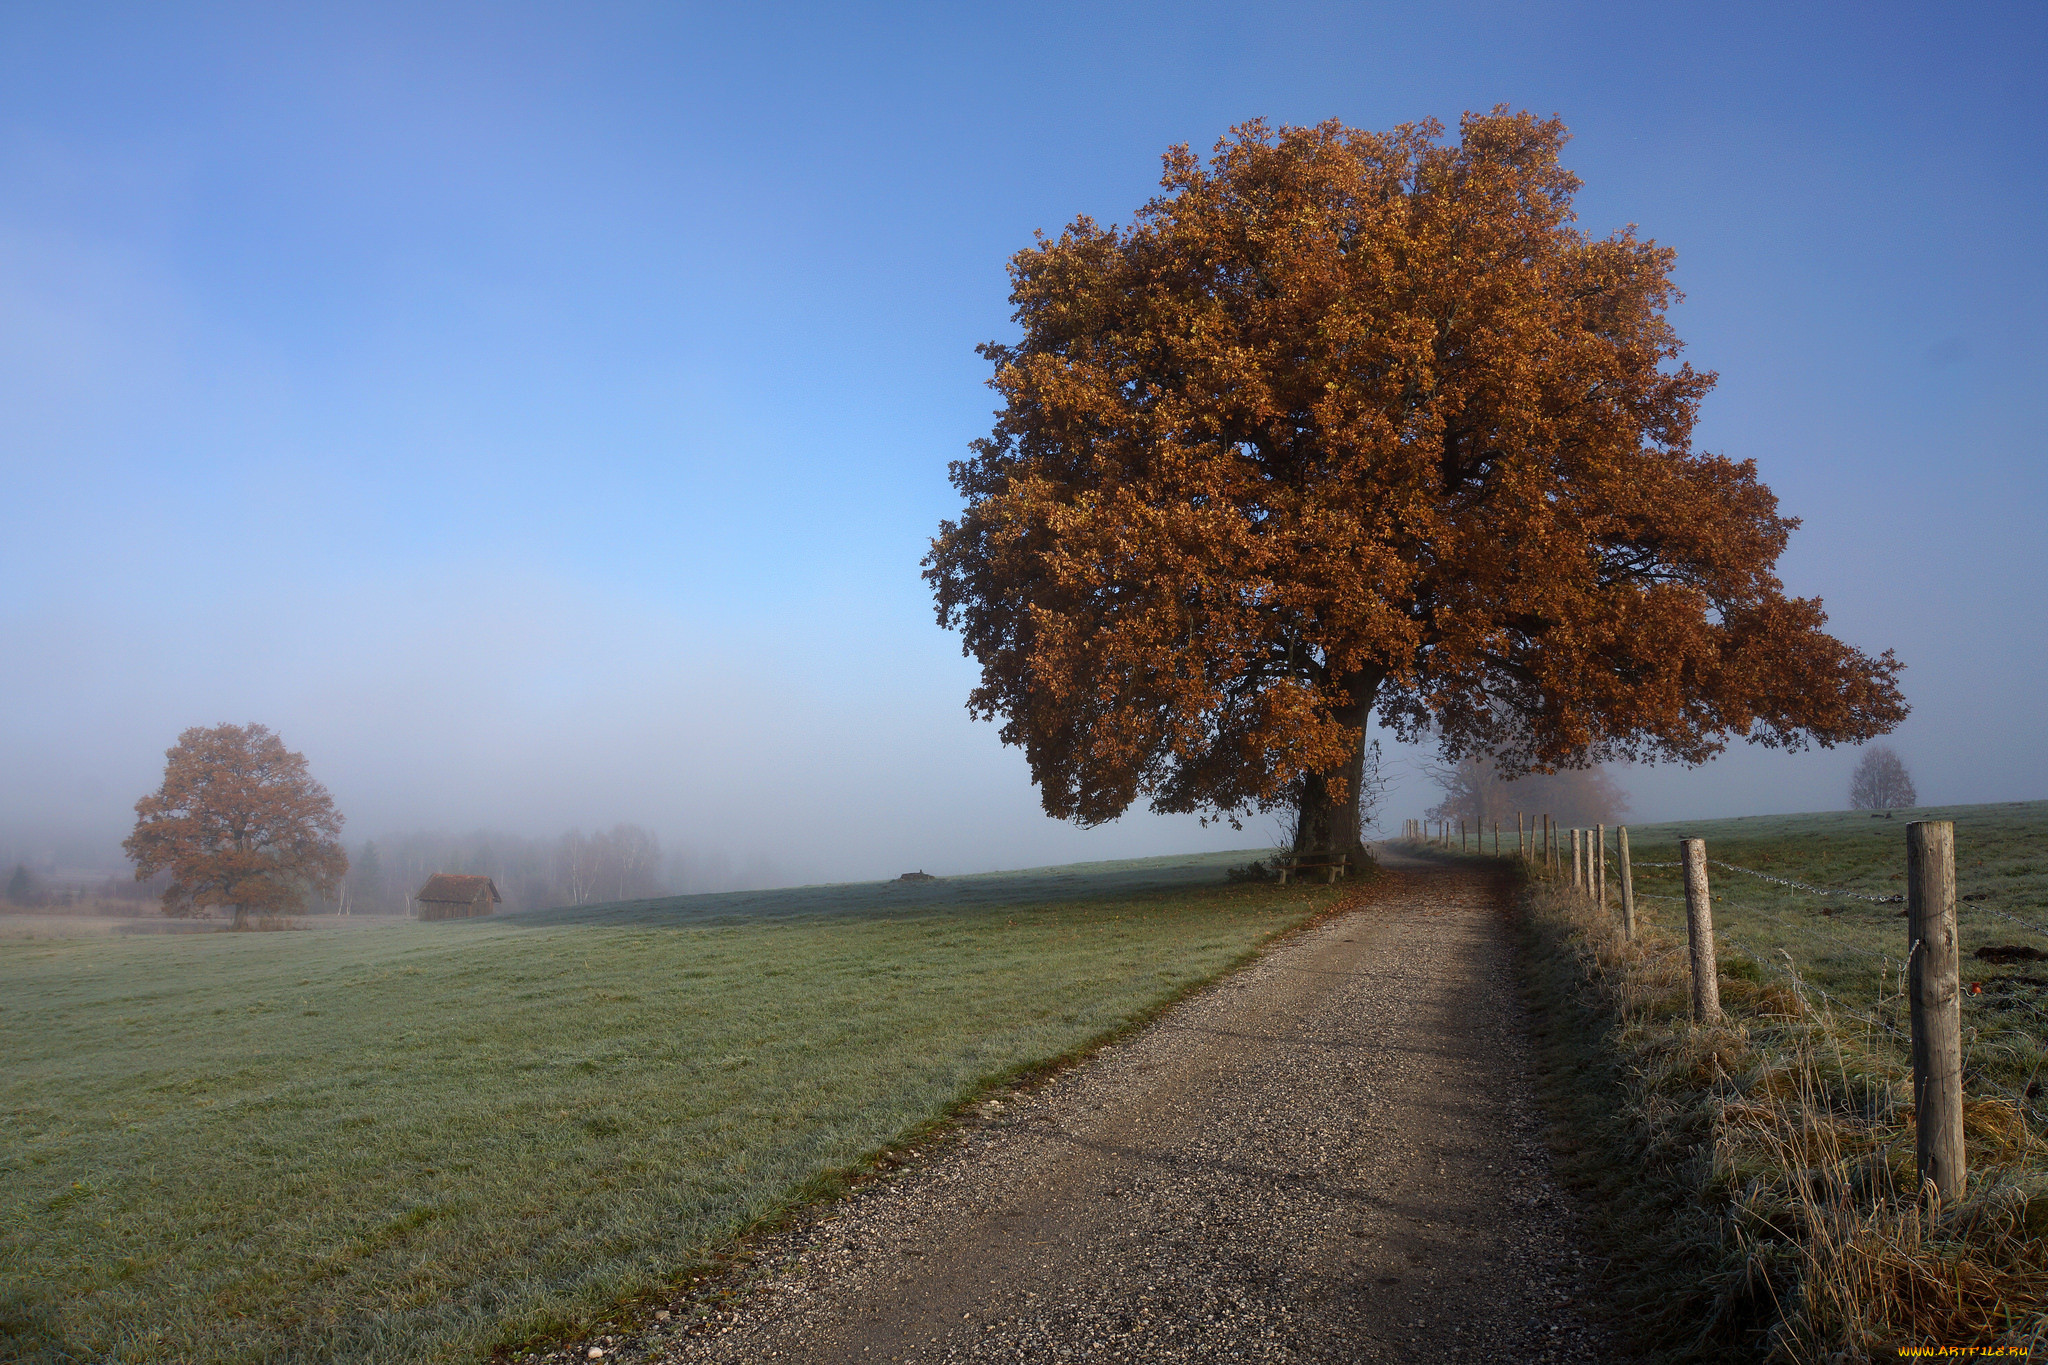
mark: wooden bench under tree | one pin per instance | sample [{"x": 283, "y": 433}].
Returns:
[{"x": 1331, "y": 865}]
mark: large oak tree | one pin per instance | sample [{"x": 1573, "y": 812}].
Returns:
[
  {"x": 1351, "y": 423},
  {"x": 238, "y": 822}
]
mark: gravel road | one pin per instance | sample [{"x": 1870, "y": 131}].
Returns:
[{"x": 1332, "y": 1155}]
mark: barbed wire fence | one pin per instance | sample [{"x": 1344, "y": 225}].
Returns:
[
  {"x": 1963, "y": 1057},
  {"x": 2032, "y": 1016}
]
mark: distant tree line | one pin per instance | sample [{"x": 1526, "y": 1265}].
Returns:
[
  {"x": 625, "y": 862},
  {"x": 1475, "y": 792},
  {"x": 28, "y": 889},
  {"x": 621, "y": 863},
  {"x": 240, "y": 824}
]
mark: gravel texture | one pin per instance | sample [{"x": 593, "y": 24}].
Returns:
[{"x": 1332, "y": 1155}]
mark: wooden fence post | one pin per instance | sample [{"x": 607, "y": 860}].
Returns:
[
  {"x": 1577, "y": 888},
  {"x": 1699, "y": 932},
  {"x": 1600, "y": 856},
  {"x": 1934, "y": 987},
  {"x": 1521, "y": 842},
  {"x": 1628, "y": 886},
  {"x": 1496, "y": 838},
  {"x": 1461, "y": 838}
]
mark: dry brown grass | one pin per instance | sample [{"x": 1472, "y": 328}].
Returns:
[{"x": 1770, "y": 1207}]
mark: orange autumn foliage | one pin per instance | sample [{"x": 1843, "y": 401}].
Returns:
[
  {"x": 1350, "y": 422},
  {"x": 237, "y": 822}
]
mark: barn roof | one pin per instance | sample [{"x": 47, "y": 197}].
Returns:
[{"x": 459, "y": 889}]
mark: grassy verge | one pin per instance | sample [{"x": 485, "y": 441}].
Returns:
[
  {"x": 430, "y": 1141},
  {"x": 1754, "y": 1182}
]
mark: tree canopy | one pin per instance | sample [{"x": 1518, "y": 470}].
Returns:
[
  {"x": 238, "y": 822},
  {"x": 1348, "y": 424}
]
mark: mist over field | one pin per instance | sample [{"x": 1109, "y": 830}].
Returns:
[{"x": 477, "y": 400}]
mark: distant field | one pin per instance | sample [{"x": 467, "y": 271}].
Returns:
[
  {"x": 421, "y": 1141},
  {"x": 1853, "y": 949}
]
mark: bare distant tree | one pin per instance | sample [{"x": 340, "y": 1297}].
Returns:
[
  {"x": 621, "y": 863},
  {"x": 1373, "y": 784},
  {"x": 633, "y": 862},
  {"x": 1881, "y": 782},
  {"x": 576, "y": 868}
]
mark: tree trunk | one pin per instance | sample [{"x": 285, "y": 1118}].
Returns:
[
  {"x": 1327, "y": 825},
  {"x": 241, "y": 917}
]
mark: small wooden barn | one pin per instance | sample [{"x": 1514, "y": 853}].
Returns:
[{"x": 449, "y": 895}]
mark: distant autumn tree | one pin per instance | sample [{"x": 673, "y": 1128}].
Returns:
[
  {"x": 238, "y": 822},
  {"x": 1881, "y": 782},
  {"x": 1350, "y": 424}
]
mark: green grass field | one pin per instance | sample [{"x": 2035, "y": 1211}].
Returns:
[
  {"x": 426, "y": 1141},
  {"x": 1854, "y": 949}
]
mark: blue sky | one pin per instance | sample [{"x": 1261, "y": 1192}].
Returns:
[{"x": 536, "y": 413}]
